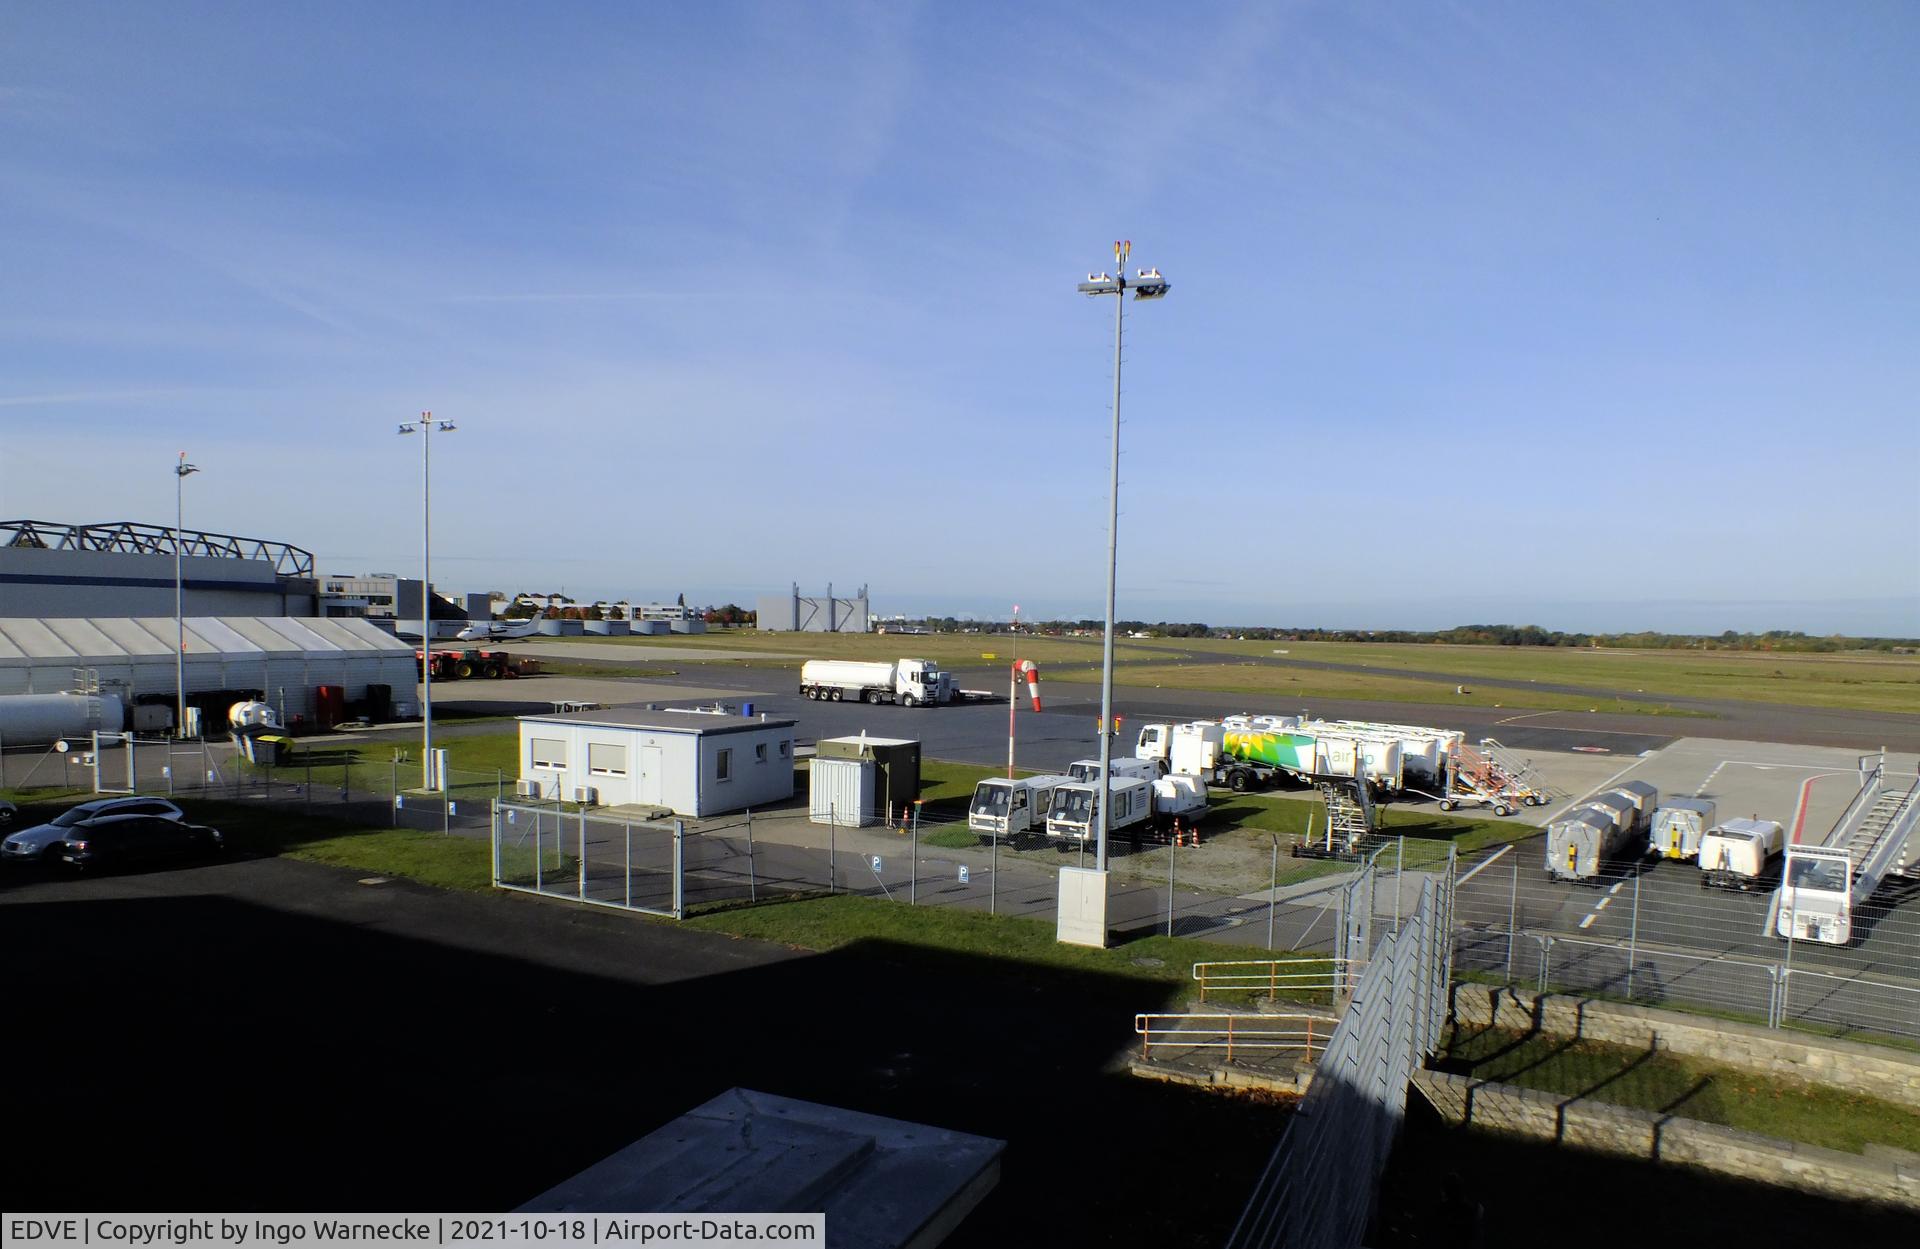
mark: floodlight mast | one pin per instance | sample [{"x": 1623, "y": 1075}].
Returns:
[
  {"x": 1145, "y": 284},
  {"x": 430, "y": 778}
]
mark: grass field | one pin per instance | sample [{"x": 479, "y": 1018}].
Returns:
[
  {"x": 1862, "y": 681},
  {"x": 1662, "y": 1081},
  {"x": 954, "y": 650},
  {"x": 1294, "y": 687}
]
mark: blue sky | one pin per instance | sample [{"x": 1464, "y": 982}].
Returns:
[{"x": 1594, "y": 316}]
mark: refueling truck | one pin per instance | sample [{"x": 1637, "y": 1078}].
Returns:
[{"x": 908, "y": 682}]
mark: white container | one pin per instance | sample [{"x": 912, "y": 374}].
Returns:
[
  {"x": 1579, "y": 842},
  {"x": 840, "y": 792},
  {"x": 1678, "y": 825},
  {"x": 1740, "y": 851}
]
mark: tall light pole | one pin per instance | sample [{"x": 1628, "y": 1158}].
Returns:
[
  {"x": 180, "y": 471},
  {"x": 426, "y": 427},
  {"x": 1145, "y": 284}
]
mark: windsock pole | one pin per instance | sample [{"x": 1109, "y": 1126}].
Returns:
[{"x": 1026, "y": 668}]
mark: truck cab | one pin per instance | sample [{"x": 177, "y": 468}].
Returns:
[
  {"x": 921, "y": 683},
  {"x": 1074, "y": 808},
  {"x": 1815, "y": 900},
  {"x": 1012, "y": 809}
]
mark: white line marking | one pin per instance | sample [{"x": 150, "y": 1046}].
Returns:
[
  {"x": 1589, "y": 920},
  {"x": 1617, "y": 887},
  {"x": 1606, "y": 783},
  {"x": 1710, "y": 776},
  {"x": 1483, "y": 864},
  {"x": 1602, "y": 905}
]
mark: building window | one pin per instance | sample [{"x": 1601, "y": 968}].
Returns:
[
  {"x": 606, "y": 760},
  {"x": 547, "y": 752},
  {"x": 760, "y": 753},
  {"x": 785, "y": 749},
  {"x": 723, "y": 765}
]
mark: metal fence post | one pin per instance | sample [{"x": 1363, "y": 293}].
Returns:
[
  {"x": 583, "y": 855},
  {"x": 1399, "y": 873},
  {"x": 993, "y": 874},
  {"x": 1273, "y": 892},
  {"x": 1546, "y": 961},
  {"x": 1173, "y": 846},
  {"x": 1786, "y": 974},
  {"x": 833, "y": 835},
  {"x": 495, "y": 825},
  {"x": 627, "y": 827},
  {"x": 913, "y": 880},
  {"x": 679, "y": 868},
  {"x": 499, "y": 784},
  {"x": 539, "y": 855},
  {"x": 1633, "y": 935},
  {"x": 1513, "y": 916},
  {"x": 753, "y": 881},
  {"x": 446, "y": 810}
]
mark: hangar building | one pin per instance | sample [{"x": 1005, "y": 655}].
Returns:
[{"x": 122, "y": 568}]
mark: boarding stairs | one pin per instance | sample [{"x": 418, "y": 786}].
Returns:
[
  {"x": 1491, "y": 771},
  {"x": 1877, "y": 831},
  {"x": 1350, "y": 821}
]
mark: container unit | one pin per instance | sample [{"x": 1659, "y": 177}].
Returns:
[
  {"x": 1088, "y": 770},
  {"x": 1741, "y": 854},
  {"x": 896, "y": 760},
  {"x": 1015, "y": 809},
  {"x": 563, "y": 628},
  {"x": 1580, "y": 841},
  {"x": 608, "y": 628},
  {"x": 1678, "y": 825},
  {"x": 690, "y": 764},
  {"x": 1645, "y": 799},
  {"x": 1617, "y": 807},
  {"x": 649, "y": 628},
  {"x": 840, "y": 792}
]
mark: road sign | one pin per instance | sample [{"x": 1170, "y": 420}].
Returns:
[
  {"x": 873, "y": 861},
  {"x": 965, "y": 877}
]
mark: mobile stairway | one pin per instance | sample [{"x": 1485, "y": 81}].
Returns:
[
  {"x": 1351, "y": 826},
  {"x": 1823, "y": 884},
  {"x": 1490, "y": 775}
]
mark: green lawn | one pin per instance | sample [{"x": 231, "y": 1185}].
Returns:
[
  {"x": 1296, "y": 687},
  {"x": 1662, "y": 1081},
  {"x": 1868, "y": 681},
  {"x": 954, "y": 650}
]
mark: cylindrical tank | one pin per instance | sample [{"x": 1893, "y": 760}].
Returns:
[{"x": 37, "y": 719}]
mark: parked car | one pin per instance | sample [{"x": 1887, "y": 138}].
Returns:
[
  {"x": 132, "y": 840},
  {"x": 8, "y": 813},
  {"x": 42, "y": 842}
]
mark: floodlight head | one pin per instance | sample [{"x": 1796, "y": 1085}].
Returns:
[
  {"x": 448, "y": 426},
  {"x": 1154, "y": 287},
  {"x": 405, "y": 429},
  {"x": 1100, "y": 284}
]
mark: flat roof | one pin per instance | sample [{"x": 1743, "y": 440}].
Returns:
[
  {"x": 874, "y": 741},
  {"x": 82, "y": 640},
  {"x": 694, "y": 722}
]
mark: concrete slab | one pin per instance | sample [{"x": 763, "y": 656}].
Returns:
[{"x": 881, "y": 1182}]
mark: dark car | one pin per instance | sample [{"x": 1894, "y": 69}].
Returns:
[
  {"x": 42, "y": 841},
  {"x": 8, "y": 812},
  {"x": 136, "y": 840}
]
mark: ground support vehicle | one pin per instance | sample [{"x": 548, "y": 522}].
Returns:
[
  {"x": 1088, "y": 770},
  {"x": 468, "y": 664},
  {"x": 1488, "y": 775},
  {"x": 1822, "y": 885},
  {"x": 1678, "y": 826},
  {"x": 1140, "y": 806},
  {"x": 1013, "y": 810},
  {"x": 908, "y": 682},
  {"x": 1740, "y": 854},
  {"x": 1580, "y": 841},
  {"x": 1350, "y": 833}
]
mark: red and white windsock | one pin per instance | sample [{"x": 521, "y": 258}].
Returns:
[{"x": 1027, "y": 669}]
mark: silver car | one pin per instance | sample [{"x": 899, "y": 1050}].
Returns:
[{"x": 42, "y": 842}]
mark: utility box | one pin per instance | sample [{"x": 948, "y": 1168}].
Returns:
[
  {"x": 840, "y": 792},
  {"x": 896, "y": 761}
]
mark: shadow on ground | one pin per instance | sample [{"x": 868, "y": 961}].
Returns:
[{"x": 270, "y": 1036}]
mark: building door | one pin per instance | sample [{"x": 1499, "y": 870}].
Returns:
[{"x": 648, "y": 790}]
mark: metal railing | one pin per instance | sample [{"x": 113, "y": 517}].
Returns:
[
  {"x": 1297, "y": 978},
  {"x": 1231, "y": 1031},
  {"x": 136, "y": 538},
  {"x": 1318, "y": 1189}
]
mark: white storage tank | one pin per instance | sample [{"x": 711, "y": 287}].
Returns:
[
  {"x": 840, "y": 792},
  {"x": 1678, "y": 826},
  {"x": 37, "y": 719}
]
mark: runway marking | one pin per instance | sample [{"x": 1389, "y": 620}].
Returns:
[
  {"x": 1602, "y": 905},
  {"x": 1710, "y": 776},
  {"x": 1806, "y": 791},
  {"x": 1608, "y": 782},
  {"x": 1589, "y": 919},
  {"x": 1617, "y": 887},
  {"x": 1483, "y": 864}
]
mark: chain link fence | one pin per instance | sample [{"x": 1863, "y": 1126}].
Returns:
[
  {"x": 1318, "y": 1189},
  {"x": 1652, "y": 933}
]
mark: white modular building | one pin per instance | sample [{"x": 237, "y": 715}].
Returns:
[{"x": 692, "y": 763}]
